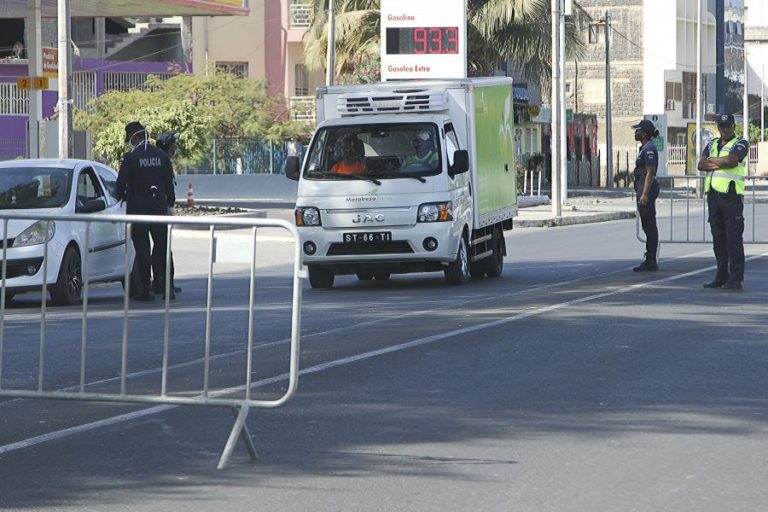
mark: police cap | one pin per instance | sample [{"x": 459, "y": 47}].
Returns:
[
  {"x": 132, "y": 129},
  {"x": 726, "y": 119}
]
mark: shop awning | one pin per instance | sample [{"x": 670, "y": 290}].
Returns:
[{"x": 126, "y": 8}]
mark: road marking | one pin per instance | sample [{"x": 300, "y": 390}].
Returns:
[{"x": 52, "y": 436}]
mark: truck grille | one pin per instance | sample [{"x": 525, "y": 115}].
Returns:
[{"x": 396, "y": 247}]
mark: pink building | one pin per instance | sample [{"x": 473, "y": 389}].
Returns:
[{"x": 266, "y": 44}]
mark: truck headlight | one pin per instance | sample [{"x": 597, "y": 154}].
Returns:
[
  {"x": 307, "y": 216},
  {"x": 38, "y": 233},
  {"x": 435, "y": 212}
]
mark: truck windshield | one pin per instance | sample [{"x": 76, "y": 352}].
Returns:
[{"x": 375, "y": 152}]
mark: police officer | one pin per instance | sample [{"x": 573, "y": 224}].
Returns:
[
  {"x": 646, "y": 191},
  {"x": 723, "y": 161},
  {"x": 169, "y": 144},
  {"x": 145, "y": 182}
]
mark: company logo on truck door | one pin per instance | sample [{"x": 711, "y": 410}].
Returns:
[
  {"x": 367, "y": 218},
  {"x": 372, "y": 195}
]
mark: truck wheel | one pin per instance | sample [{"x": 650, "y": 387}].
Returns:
[
  {"x": 494, "y": 264},
  {"x": 381, "y": 276},
  {"x": 320, "y": 277},
  {"x": 458, "y": 271},
  {"x": 477, "y": 269},
  {"x": 69, "y": 285},
  {"x": 364, "y": 275}
]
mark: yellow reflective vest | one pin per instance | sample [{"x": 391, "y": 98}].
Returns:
[{"x": 721, "y": 179}]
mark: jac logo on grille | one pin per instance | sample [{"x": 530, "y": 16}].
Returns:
[{"x": 367, "y": 218}]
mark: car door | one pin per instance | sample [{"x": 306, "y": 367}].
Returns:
[
  {"x": 116, "y": 259},
  {"x": 103, "y": 237}
]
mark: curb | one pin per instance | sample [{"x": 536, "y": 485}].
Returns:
[{"x": 573, "y": 220}]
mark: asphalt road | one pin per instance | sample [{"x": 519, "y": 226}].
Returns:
[{"x": 569, "y": 384}]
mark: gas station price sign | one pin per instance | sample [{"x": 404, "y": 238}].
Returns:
[{"x": 423, "y": 39}]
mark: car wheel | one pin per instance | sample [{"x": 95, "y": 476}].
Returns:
[
  {"x": 69, "y": 285},
  {"x": 364, "y": 275},
  {"x": 381, "y": 276},
  {"x": 457, "y": 272},
  {"x": 494, "y": 264},
  {"x": 320, "y": 277}
]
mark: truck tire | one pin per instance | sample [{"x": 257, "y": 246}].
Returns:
[
  {"x": 320, "y": 278},
  {"x": 477, "y": 269},
  {"x": 494, "y": 264},
  {"x": 381, "y": 276},
  {"x": 69, "y": 285},
  {"x": 457, "y": 272}
]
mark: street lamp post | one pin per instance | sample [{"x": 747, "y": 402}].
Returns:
[
  {"x": 65, "y": 70},
  {"x": 331, "y": 53}
]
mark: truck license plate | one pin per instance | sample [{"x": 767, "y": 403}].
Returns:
[{"x": 368, "y": 238}]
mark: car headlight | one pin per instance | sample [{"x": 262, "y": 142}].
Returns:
[
  {"x": 435, "y": 212},
  {"x": 307, "y": 216},
  {"x": 38, "y": 233}
]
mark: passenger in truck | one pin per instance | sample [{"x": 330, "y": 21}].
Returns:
[
  {"x": 425, "y": 155},
  {"x": 352, "y": 162}
]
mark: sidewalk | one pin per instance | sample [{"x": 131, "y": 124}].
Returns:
[{"x": 582, "y": 207}]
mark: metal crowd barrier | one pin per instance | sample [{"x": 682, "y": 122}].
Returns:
[
  {"x": 207, "y": 395},
  {"x": 688, "y": 213}
]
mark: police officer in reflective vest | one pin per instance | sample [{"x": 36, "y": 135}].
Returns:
[
  {"x": 646, "y": 191},
  {"x": 145, "y": 182},
  {"x": 723, "y": 161}
]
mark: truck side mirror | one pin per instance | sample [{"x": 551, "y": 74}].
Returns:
[
  {"x": 292, "y": 168},
  {"x": 460, "y": 162}
]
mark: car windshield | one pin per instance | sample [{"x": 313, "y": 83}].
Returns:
[
  {"x": 375, "y": 152},
  {"x": 34, "y": 187}
]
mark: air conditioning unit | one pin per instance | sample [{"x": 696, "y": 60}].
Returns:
[{"x": 670, "y": 105}]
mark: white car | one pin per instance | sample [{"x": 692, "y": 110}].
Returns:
[{"x": 62, "y": 187}]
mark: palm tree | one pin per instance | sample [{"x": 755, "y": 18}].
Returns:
[
  {"x": 520, "y": 31},
  {"x": 357, "y": 33},
  {"x": 498, "y": 30}
]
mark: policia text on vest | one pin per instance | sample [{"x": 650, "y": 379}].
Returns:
[{"x": 724, "y": 162}]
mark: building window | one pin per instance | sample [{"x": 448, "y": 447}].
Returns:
[
  {"x": 301, "y": 87},
  {"x": 239, "y": 69}
]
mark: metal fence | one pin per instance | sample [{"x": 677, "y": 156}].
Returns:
[
  {"x": 174, "y": 385},
  {"x": 11, "y": 149},
  {"x": 685, "y": 219},
  {"x": 249, "y": 156},
  {"x": 13, "y": 101}
]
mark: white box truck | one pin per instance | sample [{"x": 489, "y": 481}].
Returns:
[{"x": 408, "y": 177}]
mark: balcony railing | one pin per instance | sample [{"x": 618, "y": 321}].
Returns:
[
  {"x": 303, "y": 108},
  {"x": 301, "y": 13}
]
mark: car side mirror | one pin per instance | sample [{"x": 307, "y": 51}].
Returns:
[
  {"x": 92, "y": 206},
  {"x": 292, "y": 168},
  {"x": 460, "y": 163}
]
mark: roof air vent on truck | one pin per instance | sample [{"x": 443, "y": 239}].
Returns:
[{"x": 392, "y": 102}]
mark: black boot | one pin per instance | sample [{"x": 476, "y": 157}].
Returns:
[{"x": 648, "y": 265}]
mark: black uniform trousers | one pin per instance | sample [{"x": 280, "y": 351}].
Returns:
[
  {"x": 149, "y": 260},
  {"x": 726, "y": 220},
  {"x": 648, "y": 221}
]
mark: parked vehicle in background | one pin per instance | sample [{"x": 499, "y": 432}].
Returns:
[
  {"x": 59, "y": 187},
  {"x": 408, "y": 177}
]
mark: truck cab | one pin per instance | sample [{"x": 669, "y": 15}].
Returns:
[{"x": 385, "y": 186}]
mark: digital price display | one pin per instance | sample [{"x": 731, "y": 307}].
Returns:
[{"x": 422, "y": 40}]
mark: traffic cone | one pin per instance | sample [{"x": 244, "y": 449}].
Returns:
[{"x": 190, "y": 195}]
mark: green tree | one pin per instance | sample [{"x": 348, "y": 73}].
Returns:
[{"x": 199, "y": 108}]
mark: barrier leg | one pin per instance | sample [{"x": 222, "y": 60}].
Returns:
[{"x": 239, "y": 429}]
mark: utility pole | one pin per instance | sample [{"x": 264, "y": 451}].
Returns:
[
  {"x": 65, "y": 71},
  {"x": 330, "y": 64},
  {"x": 745, "y": 119},
  {"x": 554, "y": 143},
  {"x": 563, "y": 118},
  {"x": 608, "y": 117},
  {"x": 762, "y": 104},
  {"x": 698, "y": 81}
]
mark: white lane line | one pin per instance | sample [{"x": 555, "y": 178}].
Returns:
[{"x": 27, "y": 443}]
